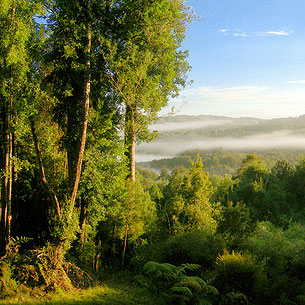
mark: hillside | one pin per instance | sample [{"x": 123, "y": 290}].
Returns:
[{"x": 182, "y": 137}]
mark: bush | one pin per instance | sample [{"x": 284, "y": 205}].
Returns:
[
  {"x": 8, "y": 285},
  {"x": 282, "y": 254},
  {"x": 238, "y": 272},
  {"x": 196, "y": 247}
]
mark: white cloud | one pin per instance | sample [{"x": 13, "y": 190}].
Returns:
[
  {"x": 257, "y": 34},
  {"x": 238, "y": 101},
  {"x": 222, "y": 93},
  {"x": 277, "y": 33},
  {"x": 241, "y": 35},
  {"x": 301, "y": 82},
  {"x": 224, "y": 30}
]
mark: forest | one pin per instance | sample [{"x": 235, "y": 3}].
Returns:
[{"x": 81, "y": 82}]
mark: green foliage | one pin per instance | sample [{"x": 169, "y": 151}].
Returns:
[
  {"x": 281, "y": 253},
  {"x": 234, "y": 223},
  {"x": 178, "y": 286},
  {"x": 131, "y": 218},
  {"x": 185, "y": 205},
  {"x": 16, "y": 242},
  {"x": 196, "y": 247},
  {"x": 238, "y": 272},
  {"x": 234, "y": 298},
  {"x": 8, "y": 285},
  {"x": 217, "y": 162}
]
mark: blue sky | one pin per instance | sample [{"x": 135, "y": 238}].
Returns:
[{"x": 247, "y": 58}]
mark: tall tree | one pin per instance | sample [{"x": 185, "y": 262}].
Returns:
[
  {"x": 145, "y": 65},
  {"x": 16, "y": 27},
  {"x": 74, "y": 72}
]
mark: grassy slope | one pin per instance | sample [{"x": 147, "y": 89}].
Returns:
[{"x": 115, "y": 291}]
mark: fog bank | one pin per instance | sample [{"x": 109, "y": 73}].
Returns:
[{"x": 159, "y": 149}]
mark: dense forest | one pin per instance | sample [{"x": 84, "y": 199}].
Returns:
[
  {"x": 80, "y": 84},
  {"x": 220, "y": 162}
]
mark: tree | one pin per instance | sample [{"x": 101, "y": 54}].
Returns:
[
  {"x": 17, "y": 28},
  {"x": 185, "y": 206},
  {"x": 146, "y": 66}
]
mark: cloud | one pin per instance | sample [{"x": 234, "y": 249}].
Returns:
[
  {"x": 241, "y": 35},
  {"x": 221, "y": 93},
  {"x": 256, "y": 34},
  {"x": 224, "y": 30},
  {"x": 239, "y": 101},
  {"x": 301, "y": 82},
  {"x": 277, "y": 33}
]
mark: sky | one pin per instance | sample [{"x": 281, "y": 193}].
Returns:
[{"x": 247, "y": 58}]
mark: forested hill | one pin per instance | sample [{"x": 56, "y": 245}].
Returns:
[
  {"x": 209, "y": 125},
  {"x": 220, "y": 162},
  {"x": 182, "y": 137}
]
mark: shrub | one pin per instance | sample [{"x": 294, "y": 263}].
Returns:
[
  {"x": 196, "y": 247},
  {"x": 8, "y": 286},
  {"x": 238, "y": 272}
]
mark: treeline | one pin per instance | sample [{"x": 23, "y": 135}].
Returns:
[
  {"x": 220, "y": 162},
  {"x": 232, "y": 127},
  {"x": 245, "y": 231}
]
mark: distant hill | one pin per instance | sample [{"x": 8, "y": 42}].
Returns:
[{"x": 210, "y": 134}]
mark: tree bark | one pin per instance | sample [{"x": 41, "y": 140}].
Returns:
[{"x": 85, "y": 123}]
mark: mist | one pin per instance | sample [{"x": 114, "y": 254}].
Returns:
[
  {"x": 160, "y": 149},
  {"x": 163, "y": 127}
]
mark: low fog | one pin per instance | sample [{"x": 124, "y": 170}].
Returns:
[
  {"x": 160, "y": 149},
  {"x": 162, "y": 127}
]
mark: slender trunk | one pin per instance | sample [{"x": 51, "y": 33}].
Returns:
[
  {"x": 6, "y": 194},
  {"x": 113, "y": 241},
  {"x": 5, "y": 183},
  {"x": 83, "y": 222},
  {"x": 7, "y": 165},
  {"x": 125, "y": 239},
  {"x": 43, "y": 178},
  {"x": 130, "y": 142},
  {"x": 84, "y": 127},
  {"x": 132, "y": 152}
]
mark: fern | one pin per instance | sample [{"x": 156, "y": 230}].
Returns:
[
  {"x": 191, "y": 267},
  {"x": 16, "y": 242},
  {"x": 165, "y": 272},
  {"x": 176, "y": 284},
  {"x": 182, "y": 290},
  {"x": 211, "y": 290}
]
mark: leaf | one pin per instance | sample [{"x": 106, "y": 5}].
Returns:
[
  {"x": 193, "y": 282},
  {"x": 183, "y": 290}
]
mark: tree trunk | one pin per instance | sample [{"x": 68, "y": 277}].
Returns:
[
  {"x": 125, "y": 239},
  {"x": 130, "y": 143},
  {"x": 85, "y": 123},
  {"x": 7, "y": 162},
  {"x": 43, "y": 178},
  {"x": 7, "y": 165},
  {"x": 83, "y": 222}
]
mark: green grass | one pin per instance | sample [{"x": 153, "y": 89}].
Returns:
[{"x": 115, "y": 290}]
